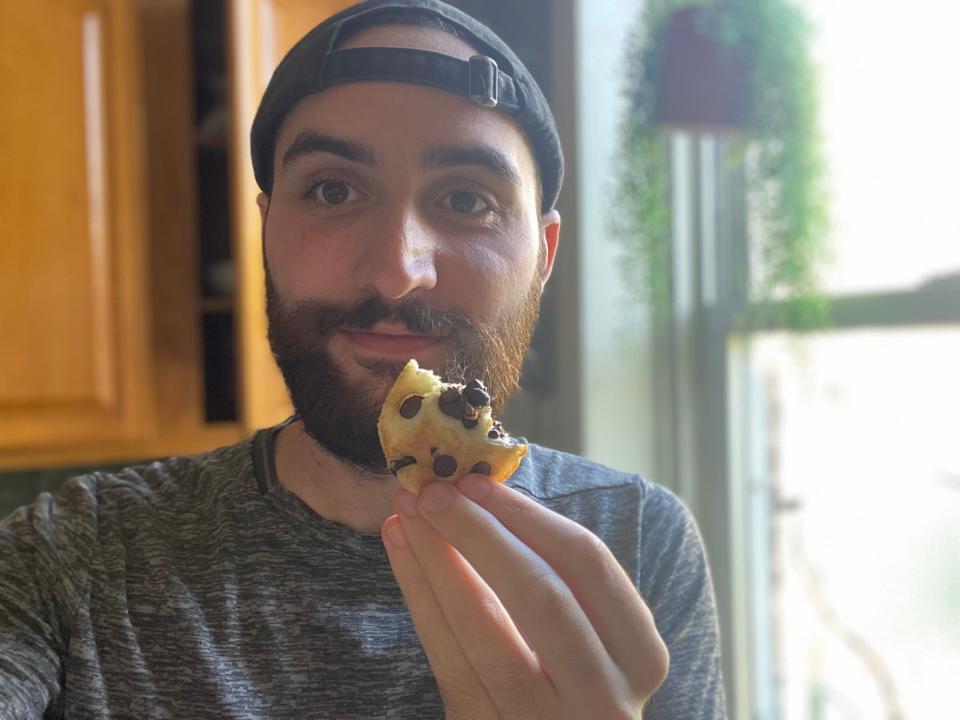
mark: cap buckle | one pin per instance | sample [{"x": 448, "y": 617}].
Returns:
[{"x": 484, "y": 88}]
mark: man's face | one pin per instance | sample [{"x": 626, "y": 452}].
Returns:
[{"x": 403, "y": 223}]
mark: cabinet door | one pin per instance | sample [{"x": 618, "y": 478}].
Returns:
[
  {"x": 260, "y": 34},
  {"x": 72, "y": 300}
]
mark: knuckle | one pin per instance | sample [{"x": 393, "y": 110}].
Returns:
[
  {"x": 608, "y": 708},
  {"x": 589, "y": 551},
  {"x": 492, "y": 611},
  {"x": 591, "y": 544},
  {"x": 652, "y": 671},
  {"x": 599, "y": 678},
  {"x": 659, "y": 666},
  {"x": 623, "y": 712},
  {"x": 608, "y": 573},
  {"x": 505, "y": 677},
  {"x": 417, "y": 584},
  {"x": 516, "y": 509},
  {"x": 531, "y": 713},
  {"x": 462, "y": 694},
  {"x": 513, "y": 689},
  {"x": 594, "y": 551},
  {"x": 546, "y": 590}
]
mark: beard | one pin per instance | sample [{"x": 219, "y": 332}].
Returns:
[{"x": 341, "y": 415}]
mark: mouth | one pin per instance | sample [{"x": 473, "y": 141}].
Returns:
[{"x": 391, "y": 341}]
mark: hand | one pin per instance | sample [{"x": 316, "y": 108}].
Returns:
[{"x": 522, "y": 612}]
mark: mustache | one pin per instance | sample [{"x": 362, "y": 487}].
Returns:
[
  {"x": 301, "y": 335},
  {"x": 323, "y": 318}
]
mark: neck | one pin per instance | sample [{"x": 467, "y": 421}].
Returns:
[{"x": 337, "y": 491}]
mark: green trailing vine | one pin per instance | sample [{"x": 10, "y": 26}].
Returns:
[{"x": 785, "y": 178}]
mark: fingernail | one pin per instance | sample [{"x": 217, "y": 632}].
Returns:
[
  {"x": 398, "y": 538},
  {"x": 437, "y": 497},
  {"x": 474, "y": 486},
  {"x": 407, "y": 502}
]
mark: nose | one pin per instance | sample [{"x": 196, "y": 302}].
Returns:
[{"x": 399, "y": 257}]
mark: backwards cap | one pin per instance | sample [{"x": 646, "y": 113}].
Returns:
[{"x": 495, "y": 78}]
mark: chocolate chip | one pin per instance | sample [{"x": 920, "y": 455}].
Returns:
[
  {"x": 411, "y": 406},
  {"x": 398, "y": 465},
  {"x": 481, "y": 468},
  {"x": 494, "y": 434},
  {"x": 470, "y": 412},
  {"x": 444, "y": 466},
  {"x": 477, "y": 394},
  {"x": 433, "y": 451},
  {"x": 451, "y": 403},
  {"x": 469, "y": 424}
]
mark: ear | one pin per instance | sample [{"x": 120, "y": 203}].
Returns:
[
  {"x": 550, "y": 238},
  {"x": 263, "y": 202}
]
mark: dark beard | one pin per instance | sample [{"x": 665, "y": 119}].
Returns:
[{"x": 342, "y": 416}]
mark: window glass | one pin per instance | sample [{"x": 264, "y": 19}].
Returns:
[
  {"x": 861, "y": 438},
  {"x": 890, "y": 114}
]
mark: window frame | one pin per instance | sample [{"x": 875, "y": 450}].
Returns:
[{"x": 706, "y": 443}]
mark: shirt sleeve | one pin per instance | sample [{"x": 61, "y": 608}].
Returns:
[
  {"x": 676, "y": 585},
  {"x": 45, "y": 551}
]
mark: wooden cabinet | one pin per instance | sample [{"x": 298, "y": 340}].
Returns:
[
  {"x": 132, "y": 319},
  {"x": 73, "y": 303}
]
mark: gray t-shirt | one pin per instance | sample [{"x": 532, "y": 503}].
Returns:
[{"x": 197, "y": 587}]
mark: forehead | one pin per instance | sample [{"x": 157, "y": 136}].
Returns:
[{"x": 385, "y": 115}]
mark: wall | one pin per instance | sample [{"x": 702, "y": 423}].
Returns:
[{"x": 616, "y": 376}]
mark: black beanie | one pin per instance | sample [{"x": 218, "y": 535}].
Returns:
[{"x": 495, "y": 78}]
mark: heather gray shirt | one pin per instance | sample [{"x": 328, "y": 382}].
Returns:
[{"x": 199, "y": 588}]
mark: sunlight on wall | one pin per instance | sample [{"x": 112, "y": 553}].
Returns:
[{"x": 615, "y": 343}]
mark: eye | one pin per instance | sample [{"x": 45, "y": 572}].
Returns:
[
  {"x": 465, "y": 202},
  {"x": 333, "y": 192}
]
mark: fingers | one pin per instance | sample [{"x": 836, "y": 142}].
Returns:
[
  {"x": 459, "y": 685},
  {"x": 497, "y": 652},
  {"x": 533, "y": 594},
  {"x": 603, "y": 592}
]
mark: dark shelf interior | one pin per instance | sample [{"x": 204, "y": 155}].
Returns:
[{"x": 211, "y": 114}]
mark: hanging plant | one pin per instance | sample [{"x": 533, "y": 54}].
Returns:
[{"x": 758, "y": 49}]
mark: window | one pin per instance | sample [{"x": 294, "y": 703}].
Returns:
[
  {"x": 857, "y": 497},
  {"x": 890, "y": 115},
  {"x": 824, "y": 471},
  {"x": 847, "y": 467}
]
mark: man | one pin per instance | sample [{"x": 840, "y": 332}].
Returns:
[{"x": 408, "y": 211}]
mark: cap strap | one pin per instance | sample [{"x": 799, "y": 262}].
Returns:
[{"x": 479, "y": 79}]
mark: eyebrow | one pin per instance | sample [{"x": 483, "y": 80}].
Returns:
[
  {"x": 310, "y": 142},
  {"x": 437, "y": 156},
  {"x": 485, "y": 156}
]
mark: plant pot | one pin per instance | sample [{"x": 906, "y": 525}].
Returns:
[{"x": 702, "y": 85}]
